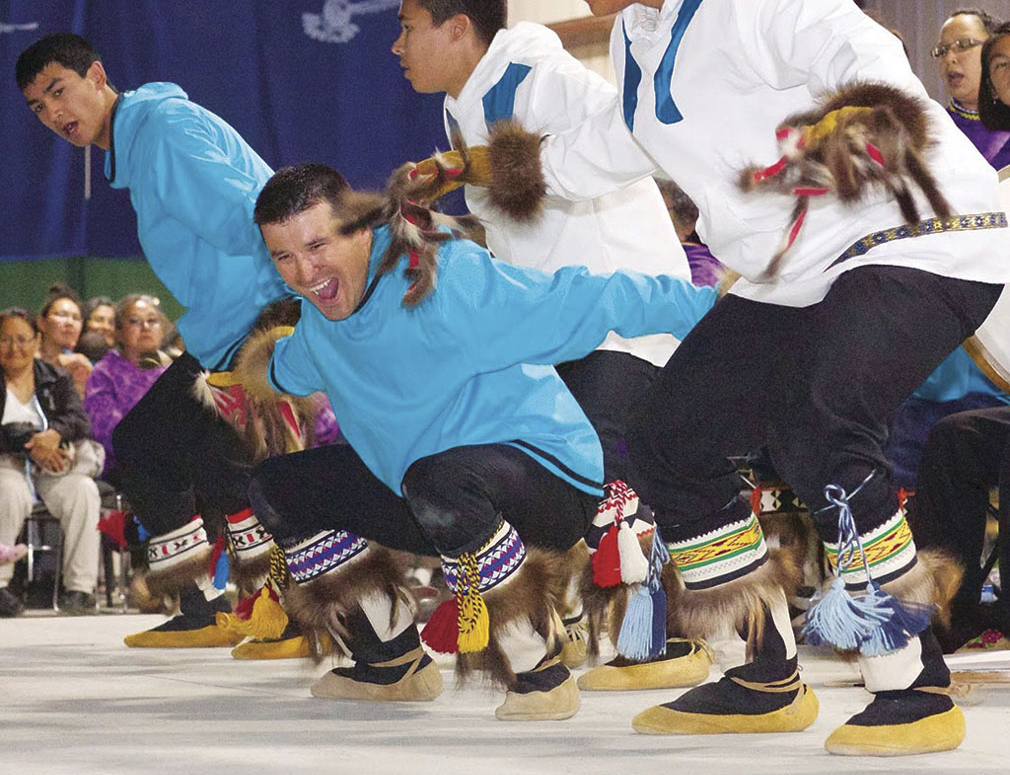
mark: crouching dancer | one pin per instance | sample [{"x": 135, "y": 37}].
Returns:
[{"x": 464, "y": 442}]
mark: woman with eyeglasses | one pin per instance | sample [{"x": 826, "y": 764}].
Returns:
[
  {"x": 43, "y": 424},
  {"x": 126, "y": 372},
  {"x": 958, "y": 55},
  {"x": 60, "y": 323}
]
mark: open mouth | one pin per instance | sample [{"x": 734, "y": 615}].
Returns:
[
  {"x": 70, "y": 129},
  {"x": 954, "y": 79},
  {"x": 326, "y": 290}
]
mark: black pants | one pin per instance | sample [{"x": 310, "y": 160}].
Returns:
[
  {"x": 609, "y": 386},
  {"x": 816, "y": 385},
  {"x": 173, "y": 451},
  {"x": 967, "y": 454},
  {"x": 451, "y": 504}
]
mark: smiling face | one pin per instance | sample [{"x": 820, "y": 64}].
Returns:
[
  {"x": 327, "y": 268},
  {"x": 61, "y": 325},
  {"x": 77, "y": 108},
  {"x": 962, "y": 70},
  {"x": 18, "y": 346}
]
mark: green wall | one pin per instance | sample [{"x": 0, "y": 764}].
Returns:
[{"x": 25, "y": 283}]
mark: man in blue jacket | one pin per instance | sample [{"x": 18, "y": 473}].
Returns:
[
  {"x": 193, "y": 182},
  {"x": 464, "y": 441}
]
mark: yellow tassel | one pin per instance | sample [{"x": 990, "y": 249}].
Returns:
[
  {"x": 474, "y": 622},
  {"x": 267, "y": 621}
]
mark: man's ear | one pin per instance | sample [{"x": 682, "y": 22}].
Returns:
[
  {"x": 96, "y": 74},
  {"x": 459, "y": 26}
]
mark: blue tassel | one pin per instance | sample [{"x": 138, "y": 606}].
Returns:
[
  {"x": 142, "y": 534},
  {"x": 876, "y": 622},
  {"x": 643, "y": 631},
  {"x": 221, "y": 571},
  {"x": 635, "y": 639}
]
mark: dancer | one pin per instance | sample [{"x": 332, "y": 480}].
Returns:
[
  {"x": 461, "y": 446},
  {"x": 491, "y": 74},
  {"x": 193, "y": 183},
  {"x": 855, "y": 305}
]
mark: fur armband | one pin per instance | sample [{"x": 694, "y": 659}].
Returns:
[{"x": 862, "y": 138}]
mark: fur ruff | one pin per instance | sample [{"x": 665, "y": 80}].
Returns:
[
  {"x": 933, "y": 580},
  {"x": 533, "y": 596},
  {"x": 320, "y": 606},
  {"x": 178, "y": 576},
  {"x": 249, "y": 575},
  {"x": 839, "y": 158},
  {"x": 517, "y": 185},
  {"x": 738, "y": 605}
]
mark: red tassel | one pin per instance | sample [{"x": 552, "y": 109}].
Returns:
[
  {"x": 244, "y": 607},
  {"x": 215, "y": 555},
  {"x": 441, "y": 633},
  {"x": 607, "y": 560}
]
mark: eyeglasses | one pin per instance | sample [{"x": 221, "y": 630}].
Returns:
[
  {"x": 141, "y": 322},
  {"x": 959, "y": 45},
  {"x": 20, "y": 341},
  {"x": 66, "y": 316}
]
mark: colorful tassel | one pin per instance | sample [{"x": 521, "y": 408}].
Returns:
[
  {"x": 220, "y": 569},
  {"x": 875, "y": 622},
  {"x": 643, "y": 631},
  {"x": 474, "y": 622},
  {"x": 634, "y": 565},
  {"x": 259, "y": 616},
  {"x": 441, "y": 633},
  {"x": 607, "y": 560}
]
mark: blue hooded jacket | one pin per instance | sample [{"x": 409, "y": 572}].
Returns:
[
  {"x": 193, "y": 183},
  {"x": 471, "y": 364}
]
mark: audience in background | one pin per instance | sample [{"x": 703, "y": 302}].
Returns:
[
  {"x": 705, "y": 268},
  {"x": 45, "y": 451},
  {"x": 126, "y": 372},
  {"x": 60, "y": 323},
  {"x": 99, "y": 315},
  {"x": 959, "y": 53}
]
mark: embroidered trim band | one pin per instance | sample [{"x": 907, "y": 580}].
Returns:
[
  {"x": 248, "y": 537},
  {"x": 166, "y": 551},
  {"x": 889, "y": 551},
  {"x": 730, "y": 552},
  {"x": 309, "y": 558},
  {"x": 971, "y": 222},
  {"x": 493, "y": 563}
]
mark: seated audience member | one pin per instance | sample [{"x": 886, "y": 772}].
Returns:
[
  {"x": 92, "y": 345},
  {"x": 60, "y": 324},
  {"x": 100, "y": 316},
  {"x": 959, "y": 55},
  {"x": 705, "y": 268},
  {"x": 957, "y": 385},
  {"x": 966, "y": 456},
  {"x": 126, "y": 372},
  {"x": 994, "y": 86},
  {"x": 45, "y": 450}
]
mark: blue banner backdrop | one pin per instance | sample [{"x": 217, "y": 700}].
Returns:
[{"x": 301, "y": 80}]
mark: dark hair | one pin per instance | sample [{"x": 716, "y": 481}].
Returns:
[
  {"x": 94, "y": 303},
  {"x": 294, "y": 190},
  {"x": 64, "y": 48},
  {"x": 59, "y": 291},
  {"x": 21, "y": 313},
  {"x": 487, "y": 16},
  {"x": 988, "y": 21},
  {"x": 994, "y": 114},
  {"x": 92, "y": 345}
]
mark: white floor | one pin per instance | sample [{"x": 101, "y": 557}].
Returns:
[{"x": 74, "y": 700}]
